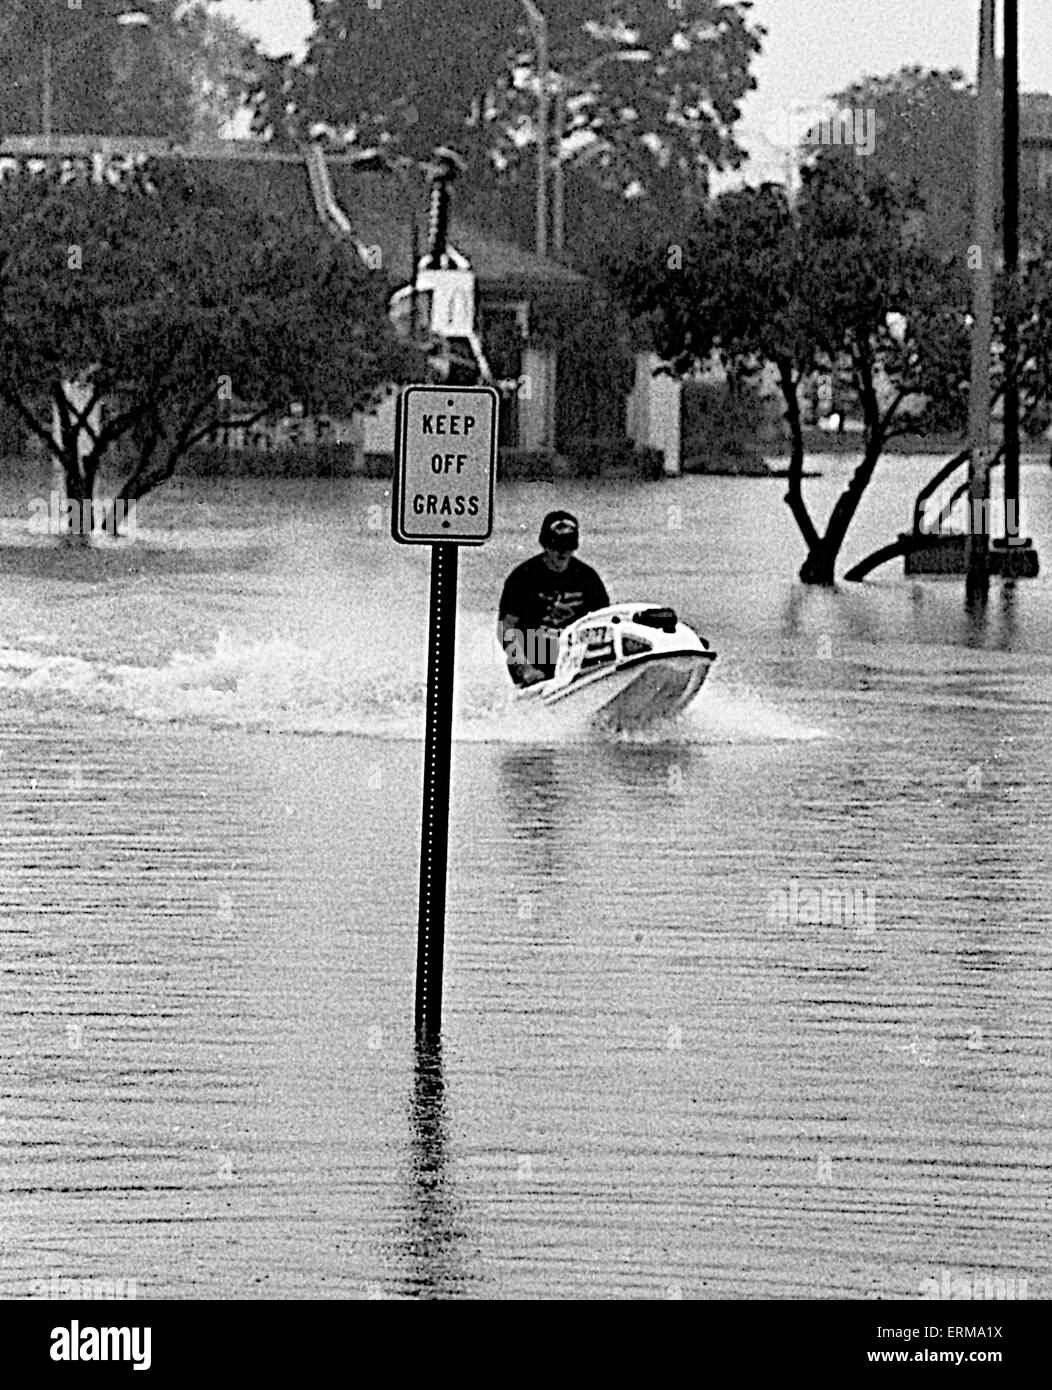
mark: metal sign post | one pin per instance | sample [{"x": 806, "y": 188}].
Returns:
[{"x": 445, "y": 468}]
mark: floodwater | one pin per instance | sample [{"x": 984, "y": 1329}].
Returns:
[{"x": 758, "y": 1006}]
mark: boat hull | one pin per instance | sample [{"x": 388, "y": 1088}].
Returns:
[
  {"x": 622, "y": 667},
  {"x": 641, "y": 691}
]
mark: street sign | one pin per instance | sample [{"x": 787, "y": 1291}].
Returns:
[
  {"x": 445, "y": 468},
  {"x": 445, "y": 465}
]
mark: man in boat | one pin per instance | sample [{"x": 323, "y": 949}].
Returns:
[{"x": 541, "y": 597}]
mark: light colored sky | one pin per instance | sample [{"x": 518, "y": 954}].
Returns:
[
  {"x": 283, "y": 25},
  {"x": 816, "y": 47},
  {"x": 813, "y": 48}
]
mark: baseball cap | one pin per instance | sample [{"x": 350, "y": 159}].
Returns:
[{"x": 559, "y": 532}]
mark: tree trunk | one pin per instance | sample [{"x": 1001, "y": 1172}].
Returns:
[
  {"x": 140, "y": 481},
  {"x": 78, "y": 491},
  {"x": 820, "y": 565},
  {"x": 815, "y": 567},
  {"x": 847, "y": 503}
]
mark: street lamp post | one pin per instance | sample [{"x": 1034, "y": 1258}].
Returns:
[
  {"x": 558, "y": 175},
  {"x": 539, "y": 26},
  {"x": 562, "y": 82}
]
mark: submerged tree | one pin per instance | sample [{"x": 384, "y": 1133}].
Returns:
[
  {"x": 837, "y": 281},
  {"x": 180, "y": 310}
]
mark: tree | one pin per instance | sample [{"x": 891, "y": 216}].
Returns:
[
  {"x": 836, "y": 281},
  {"x": 182, "y": 75},
  {"x": 1035, "y": 327},
  {"x": 925, "y": 145},
  {"x": 38, "y": 33},
  {"x": 925, "y": 142},
  {"x": 178, "y": 310},
  {"x": 413, "y": 75}
]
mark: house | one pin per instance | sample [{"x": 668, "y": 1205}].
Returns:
[
  {"x": 520, "y": 308},
  {"x": 556, "y": 389},
  {"x": 390, "y": 218},
  {"x": 1035, "y": 141}
]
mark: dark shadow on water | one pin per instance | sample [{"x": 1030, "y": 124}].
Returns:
[
  {"x": 792, "y": 611},
  {"x": 548, "y": 795},
  {"x": 637, "y": 765},
  {"x": 534, "y": 799},
  {"x": 434, "y": 1252},
  {"x": 976, "y": 621},
  {"x": 1009, "y": 610},
  {"x": 861, "y": 614},
  {"x": 91, "y": 564}
]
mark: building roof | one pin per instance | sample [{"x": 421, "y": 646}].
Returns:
[
  {"x": 278, "y": 180},
  {"x": 381, "y": 208}
]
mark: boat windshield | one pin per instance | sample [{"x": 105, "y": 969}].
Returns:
[{"x": 597, "y": 641}]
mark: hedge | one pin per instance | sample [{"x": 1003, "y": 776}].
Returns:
[
  {"x": 591, "y": 458},
  {"x": 318, "y": 461}
]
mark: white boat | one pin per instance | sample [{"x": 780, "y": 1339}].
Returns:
[{"x": 623, "y": 667}]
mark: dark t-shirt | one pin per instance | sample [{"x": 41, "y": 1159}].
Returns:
[{"x": 540, "y": 598}]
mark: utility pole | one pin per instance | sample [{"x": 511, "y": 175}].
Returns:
[
  {"x": 558, "y": 172},
  {"x": 977, "y": 553},
  {"x": 562, "y": 83},
  {"x": 1011, "y": 249}
]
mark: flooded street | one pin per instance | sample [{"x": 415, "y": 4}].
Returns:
[{"x": 759, "y": 1006}]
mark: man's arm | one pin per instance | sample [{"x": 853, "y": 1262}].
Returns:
[
  {"x": 598, "y": 597},
  {"x": 511, "y": 638}
]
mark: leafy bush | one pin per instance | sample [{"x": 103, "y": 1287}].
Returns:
[
  {"x": 530, "y": 465},
  {"x": 724, "y": 430},
  {"x": 596, "y": 458},
  {"x": 318, "y": 461}
]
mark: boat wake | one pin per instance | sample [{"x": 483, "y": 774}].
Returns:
[{"x": 277, "y": 686}]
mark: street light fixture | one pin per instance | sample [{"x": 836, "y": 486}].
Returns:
[{"x": 539, "y": 28}]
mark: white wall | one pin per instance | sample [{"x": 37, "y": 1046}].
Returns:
[
  {"x": 537, "y": 408},
  {"x": 653, "y": 411},
  {"x": 379, "y": 427}
]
